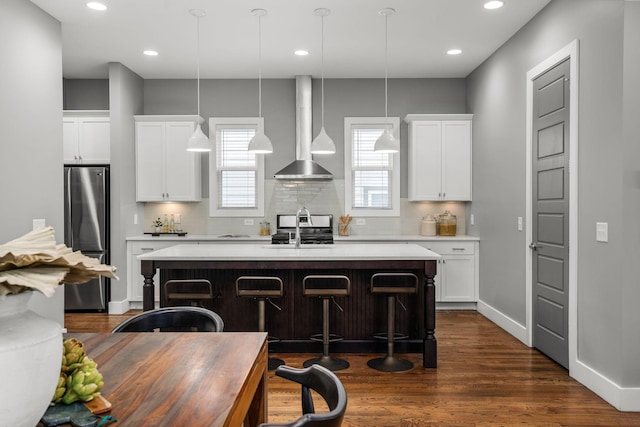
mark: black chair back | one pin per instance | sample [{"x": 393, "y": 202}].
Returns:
[
  {"x": 173, "y": 319},
  {"x": 326, "y": 384}
]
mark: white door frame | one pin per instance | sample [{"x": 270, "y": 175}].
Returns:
[{"x": 569, "y": 51}]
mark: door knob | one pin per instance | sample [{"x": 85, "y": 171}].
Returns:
[{"x": 533, "y": 246}]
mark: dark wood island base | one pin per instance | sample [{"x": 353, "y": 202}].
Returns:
[{"x": 364, "y": 314}]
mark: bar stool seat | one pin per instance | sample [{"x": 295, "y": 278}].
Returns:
[
  {"x": 326, "y": 287},
  {"x": 262, "y": 289},
  {"x": 192, "y": 292},
  {"x": 392, "y": 285}
]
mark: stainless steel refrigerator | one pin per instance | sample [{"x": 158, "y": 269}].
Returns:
[{"x": 86, "y": 228}]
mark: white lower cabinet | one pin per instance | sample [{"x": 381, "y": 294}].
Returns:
[
  {"x": 135, "y": 279},
  {"x": 457, "y": 276}
]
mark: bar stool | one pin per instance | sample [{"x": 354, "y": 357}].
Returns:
[
  {"x": 392, "y": 284},
  {"x": 321, "y": 286},
  {"x": 188, "y": 292},
  {"x": 262, "y": 288}
]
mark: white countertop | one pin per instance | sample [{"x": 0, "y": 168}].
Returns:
[
  {"x": 268, "y": 252},
  {"x": 253, "y": 238}
]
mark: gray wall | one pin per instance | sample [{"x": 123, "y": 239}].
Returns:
[
  {"x": 31, "y": 179},
  {"x": 125, "y": 101},
  {"x": 343, "y": 98},
  {"x": 85, "y": 94},
  {"x": 607, "y": 173},
  {"x": 631, "y": 189}
]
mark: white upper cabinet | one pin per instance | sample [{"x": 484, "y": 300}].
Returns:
[
  {"x": 439, "y": 159},
  {"x": 165, "y": 170},
  {"x": 86, "y": 137}
]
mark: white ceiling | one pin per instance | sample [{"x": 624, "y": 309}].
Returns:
[{"x": 419, "y": 34}]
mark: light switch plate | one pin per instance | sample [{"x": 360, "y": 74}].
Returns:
[
  {"x": 472, "y": 219},
  {"x": 361, "y": 221},
  {"x": 602, "y": 231},
  {"x": 248, "y": 221},
  {"x": 519, "y": 223},
  {"x": 39, "y": 223}
]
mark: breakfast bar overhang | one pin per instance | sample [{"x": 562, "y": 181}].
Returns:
[{"x": 222, "y": 262}]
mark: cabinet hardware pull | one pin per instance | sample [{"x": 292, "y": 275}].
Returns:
[
  {"x": 146, "y": 249},
  {"x": 458, "y": 249}
]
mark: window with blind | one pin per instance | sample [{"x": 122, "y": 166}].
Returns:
[
  {"x": 236, "y": 176},
  {"x": 372, "y": 180}
]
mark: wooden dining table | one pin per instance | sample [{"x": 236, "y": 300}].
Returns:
[{"x": 182, "y": 378}]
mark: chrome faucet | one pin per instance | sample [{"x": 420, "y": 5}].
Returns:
[{"x": 303, "y": 209}]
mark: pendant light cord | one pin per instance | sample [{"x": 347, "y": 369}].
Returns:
[
  {"x": 198, "y": 58},
  {"x": 386, "y": 64},
  {"x": 260, "y": 66},
  {"x": 322, "y": 67}
]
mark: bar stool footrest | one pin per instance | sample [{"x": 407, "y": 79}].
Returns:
[
  {"x": 332, "y": 337},
  {"x": 271, "y": 339},
  {"x": 396, "y": 336}
]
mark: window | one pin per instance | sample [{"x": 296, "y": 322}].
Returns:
[
  {"x": 372, "y": 180},
  {"x": 236, "y": 176}
]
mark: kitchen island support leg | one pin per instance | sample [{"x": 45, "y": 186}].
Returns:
[
  {"x": 148, "y": 271},
  {"x": 430, "y": 351}
]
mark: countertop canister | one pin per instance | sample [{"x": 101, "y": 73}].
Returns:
[{"x": 428, "y": 226}]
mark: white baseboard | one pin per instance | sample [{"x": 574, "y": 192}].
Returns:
[
  {"x": 621, "y": 398},
  {"x": 504, "y": 321},
  {"x": 118, "y": 307}
]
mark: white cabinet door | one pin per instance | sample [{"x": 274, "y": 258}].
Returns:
[
  {"x": 182, "y": 167},
  {"x": 456, "y": 160},
  {"x": 165, "y": 170},
  {"x": 457, "y": 278},
  {"x": 439, "y": 157},
  {"x": 150, "y": 159},
  {"x": 425, "y": 165},
  {"x": 134, "y": 276},
  {"x": 95, "y": 139},
  {"x": 70, "y": 136}
]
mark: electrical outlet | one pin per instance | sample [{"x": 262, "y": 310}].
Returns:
[
  {"x": 361, "y": 221},
  {"x": 472, "y": 219},
  {"x": 39, "y": 223},
  {"x": 135, "y": 219},
  {"x": 519, "y": 223},
  {"x": 248, "y": 221},
  {"x": 602, "y": 231},
  {"x": 177, "y": 218}
]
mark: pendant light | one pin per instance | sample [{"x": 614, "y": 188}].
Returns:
[
  {"x": 260, "y": 144},
  {"x": 322, "y": 144},
  {"x": 198, "y": 141},
  {"x": 386, "y": 143}
]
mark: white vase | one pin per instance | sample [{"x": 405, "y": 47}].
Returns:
[{"x": 30, "y": 359}]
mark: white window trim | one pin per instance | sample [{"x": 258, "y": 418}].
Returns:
[
  {"x": 349, "y": 122},
  {"x": 214, "y": 211}
]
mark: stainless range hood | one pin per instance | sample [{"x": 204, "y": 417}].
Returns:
[{"x": 303, "y": 168}]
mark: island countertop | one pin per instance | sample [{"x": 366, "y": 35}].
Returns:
[{"x": 268, "y": 252}]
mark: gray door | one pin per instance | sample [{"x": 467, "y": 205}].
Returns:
[{"x": 551, "y": 213}]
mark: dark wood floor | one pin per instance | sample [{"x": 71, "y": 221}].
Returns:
[{"x": 485, "y": 377}]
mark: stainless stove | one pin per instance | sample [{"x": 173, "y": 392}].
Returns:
[{"x": 320, "y": 231}]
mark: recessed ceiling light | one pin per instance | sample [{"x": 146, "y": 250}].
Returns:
[
  {"x": 454, "y": 52},
  {"x": 495, "y": 4},
  {"x": 96, "y": 6},
  {"x": 301, "y": 52},
  {"x": 150, "y": 53}
]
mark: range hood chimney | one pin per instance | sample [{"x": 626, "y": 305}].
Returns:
[{"x": 303, "y": 168}]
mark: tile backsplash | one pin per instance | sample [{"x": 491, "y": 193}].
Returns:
[{"x": 321, "y": 197}]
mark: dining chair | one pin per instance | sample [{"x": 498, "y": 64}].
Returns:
[
  {"x": 326, "y": 384},
  {"x": 173, "y": 319}
]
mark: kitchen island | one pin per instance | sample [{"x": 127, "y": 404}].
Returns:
[{"x": 364, "y": 314}]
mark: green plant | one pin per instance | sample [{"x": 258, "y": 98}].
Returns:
[{"x": 157, "y": 223}]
